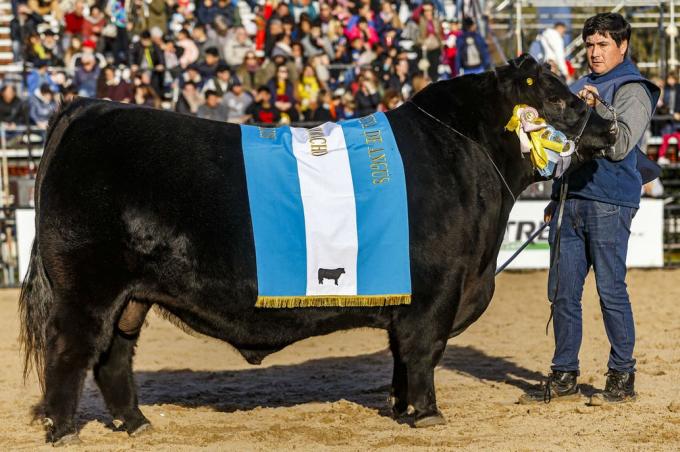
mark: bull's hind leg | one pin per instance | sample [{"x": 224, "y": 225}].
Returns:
[
  {"x": 74, "y": 336},
  {"x": 113, "y": 372}
]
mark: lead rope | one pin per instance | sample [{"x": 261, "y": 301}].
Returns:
[{"x": 514, "y": 198}]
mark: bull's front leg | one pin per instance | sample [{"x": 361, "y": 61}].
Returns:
[
  {"x": 419, "y": 351},
  {"x": 399, "y": 391}
]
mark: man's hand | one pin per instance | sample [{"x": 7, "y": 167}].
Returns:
[
  {"x": 586, "y": 94},
  {"x": 549, "y": 211}
]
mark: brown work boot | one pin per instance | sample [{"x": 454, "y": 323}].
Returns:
[
  {"x": 620, "y": 387},
  {"x": 559, "y": 387}
]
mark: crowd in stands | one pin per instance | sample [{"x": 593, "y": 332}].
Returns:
[{"x": 261, "y": 61}]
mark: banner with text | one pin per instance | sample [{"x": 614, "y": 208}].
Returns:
[{"x": 645, "y": 248}]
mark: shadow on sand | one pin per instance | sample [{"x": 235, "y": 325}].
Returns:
[{"x": 363, "y": 379}]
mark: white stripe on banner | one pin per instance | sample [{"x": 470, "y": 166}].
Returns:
[{"x": 330, "y": 210}]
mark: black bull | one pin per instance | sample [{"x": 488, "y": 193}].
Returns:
[{"x": 138, "y": 207}]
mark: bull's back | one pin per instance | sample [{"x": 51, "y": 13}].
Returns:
[{"x": 166, "y": 192}]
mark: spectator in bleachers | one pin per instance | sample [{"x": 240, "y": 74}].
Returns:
[
  {"x": 42, "y": 105},
  {"x": 110, "y": 86},
  {"x": 116, "y": 31},
  {"x": 94, "y": 23},
  {"x": 39, "y": 76},
  {"x": 228, "y": 10},
  {"x": 147, "y": 56},
  {"x": 171, "y": 58},
  {"x": 399, "y": 78},
  {"x": 46, "y": 7},
  {"x": 213, "y": 108},
  {"x": 220, "y": 82},
  {"x": 192, "y": 74},
  {"x": 86, "y": 76},
  {"x": 189, "y": 99},
  {"x": 72, "y": 53},
  {"x": 237, "y": 102},
  {"x": 11, "y": 107},
  {"x": 472, "y": 56},
  {"x": 283, "y": 94},
  {"x": 145, "y": 95},
  {"x": 211, "y": 61},
  {"x": 430, "y": 36},
  {"x": 190, "y": 52},
  {"x": 74, "y": 20},
  {"x": 247, "y": 71},
  {"x": 262, "y": 111},
  {"x": 21, "y": 27},
  {"x": 206, "y": 12},
  {"x": 201, "y": 40},
  {"x": 238, "y": 44},
  {"x": 53, "y": 53},
  {"x": 308, "y": 88},
  {"x": 450, "y": 50},
  {"x": 34, "y": 49},
  {"x": 391, "y": 99},
  {"x": 315, "y": 43},
  {"x": 670, "y": 106},
  {"x": 320, "y": 108},
  {"x": 367, "y": 96}
]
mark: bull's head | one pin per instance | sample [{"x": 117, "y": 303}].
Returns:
[{"x": 524, "y": 81}]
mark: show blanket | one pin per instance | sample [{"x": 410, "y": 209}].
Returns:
[{"x": 329, "y": 214}]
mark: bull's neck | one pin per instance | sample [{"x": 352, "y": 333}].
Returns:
[{"x": 471, "y": 106}]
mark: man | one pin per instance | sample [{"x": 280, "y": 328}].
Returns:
[
  {"x": 147, "y": 56},
  {"x": 237, "y": 102},
  {"x": 262, "y": 111},
  {"x": 221, "y": 82},
  {"x": 472, "y": 56},
  {"x": 86, "y": 76},
  {"x": 213, "y": 108},
  {"x": 602, "y": 199},
  {"x": 549, "y": 47}
]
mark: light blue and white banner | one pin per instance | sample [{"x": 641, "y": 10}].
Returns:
[{"x": 329, "y": 213}]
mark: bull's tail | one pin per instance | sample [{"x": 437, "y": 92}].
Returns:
[{"x": 34, "y": 309}]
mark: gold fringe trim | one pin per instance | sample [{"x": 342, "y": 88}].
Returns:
[{"x": 329, "y": 301}]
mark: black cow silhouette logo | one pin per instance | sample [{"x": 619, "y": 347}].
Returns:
[{"x": 334, "y": 274}]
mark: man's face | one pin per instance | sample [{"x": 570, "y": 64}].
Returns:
[
  {"x": 224, "y": 76},
  {"x": 603, "y": 53},
  {"x": 8, "y": 94},
  {"x": 212, "y": 101}
]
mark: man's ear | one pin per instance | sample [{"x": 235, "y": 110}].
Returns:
[{"x": 623, "y": 47}]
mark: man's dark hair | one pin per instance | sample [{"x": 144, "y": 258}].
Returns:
[
  {"x": 612, "y": 23},
  {"x": 559, "y": 24},
  {"x": 262, "y": 88},
  {"x": 468, "y": 23},
  {"x": 210, "y": 92},
  {"x": 212, "y": 51}
]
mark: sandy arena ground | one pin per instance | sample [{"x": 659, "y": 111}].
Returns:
[{"x": 330, "y": 392}]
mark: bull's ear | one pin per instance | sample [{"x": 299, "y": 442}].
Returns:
[{"x": 524, "y": 61}]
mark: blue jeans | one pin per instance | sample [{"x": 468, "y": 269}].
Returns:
[{"x": 593, "y": 234}]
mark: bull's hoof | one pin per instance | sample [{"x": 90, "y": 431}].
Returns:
[
  {"x": 398, "y": 408},
  {"x": 429, "y": 420},
  {"x": 72, "y": 439},
  {"x": 146, "y": 427}
]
